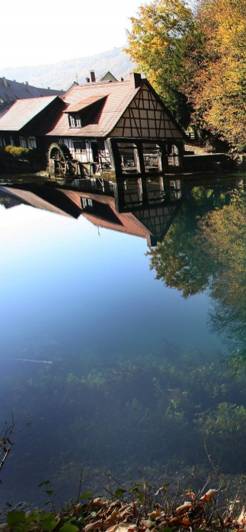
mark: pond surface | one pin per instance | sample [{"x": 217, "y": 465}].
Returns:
[{"x": 117, "y": 355}]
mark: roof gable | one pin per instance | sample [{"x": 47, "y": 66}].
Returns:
[{"x": 147, "y": 117}]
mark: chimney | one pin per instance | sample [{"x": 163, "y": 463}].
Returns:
[
  {"x": 93, "y": 76},
  {"x": 136, "y": 79}
]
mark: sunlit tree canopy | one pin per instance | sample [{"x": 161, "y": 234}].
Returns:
[{"x": 196, "y": 60}]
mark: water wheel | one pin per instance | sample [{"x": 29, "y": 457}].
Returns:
[
  {"x": 60, "y": 162},
  {"x": 61, "y": 165}
]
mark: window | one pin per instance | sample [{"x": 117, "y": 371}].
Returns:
[
  {"x": 31, "y": 142},
  {"x": 79, "y": 145},
  {"x": 152, "y": 157},
  {"x": 23, "y": 142},
  {"x": 173, "y": 156},
  {"x": 74, "y": 121},
  {"x": 71, "y": 121},
  {"x": 86, "y": 202},
  {"x": 3, "y": 141},
  {"x": 129, "y": 157}
]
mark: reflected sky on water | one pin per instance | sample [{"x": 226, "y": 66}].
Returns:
[{"x": 103, "y": 365}]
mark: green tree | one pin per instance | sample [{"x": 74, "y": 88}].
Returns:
[{"x": 157, "y": 43}]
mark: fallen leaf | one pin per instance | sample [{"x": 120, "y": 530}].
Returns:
[
  {"x": 155, "y": 514},
  {"x": 99, "y": 502},
  {"x": 185, "y": 521},
  {"x": 242, "y": 517},
  {"x": 128, "y": 510},
  {"x": 174, "y": 521},
  {"x": 94, "y": 526},
  {"x": 184, "y": 507},
  {"x": 111, "y": 519},
  {"x": 147, "y": 523},
  {"x": 208, "y": 496},
  {"x": 122, "y": 528}
]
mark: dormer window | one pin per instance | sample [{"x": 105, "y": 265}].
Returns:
[
  {"x": 85, "y": 112},
  {"x": 74, "y": 120}
]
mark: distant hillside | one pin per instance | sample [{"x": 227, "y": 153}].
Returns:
[{"x": 61, "y": 75}]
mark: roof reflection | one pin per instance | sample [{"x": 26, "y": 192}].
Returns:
[{"x": 118, "y": 208}]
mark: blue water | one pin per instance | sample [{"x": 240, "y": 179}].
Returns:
[{"x": 102, "y": 365}]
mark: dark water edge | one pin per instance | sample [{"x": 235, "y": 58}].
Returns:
[{"x": 117, "y": 357}]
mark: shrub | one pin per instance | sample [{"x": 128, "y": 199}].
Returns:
[
  {"x": 19, "y": 159},
  {"x": 17, "y": 151}
]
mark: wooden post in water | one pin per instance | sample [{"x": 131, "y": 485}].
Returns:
[
  {"x": 116, "y": 163},
  {"x": 115, "y": 157},
  {"x": 164, "y": 157},
  {"x": 142, "y": 172}
]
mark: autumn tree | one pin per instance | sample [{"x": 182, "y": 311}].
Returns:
[
  {"x": 196, "y": 60},
  {"x": 218, "y": 69},
  {"x": 157, "y": 44}
]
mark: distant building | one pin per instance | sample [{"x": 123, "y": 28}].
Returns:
[
  {"x": 118, "y": 125},
  {"x": 10, "y": 91},
  {"x": 108, "y": 77}
]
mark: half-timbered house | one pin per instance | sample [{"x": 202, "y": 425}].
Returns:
[{"x": 120, "y": 126}]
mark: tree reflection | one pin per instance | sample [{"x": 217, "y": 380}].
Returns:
[
  {"x": 224, "y": 236},
  {"x": 206, "y": 248}
]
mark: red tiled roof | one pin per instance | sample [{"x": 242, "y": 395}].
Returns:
[
  {"x": 83, "y": 104},
  {"x": 118, "y": 96},
  {"x": 32, "y": 199},
  {"x": 22, "y": 111},
  {"x": 128, "y": 223}
]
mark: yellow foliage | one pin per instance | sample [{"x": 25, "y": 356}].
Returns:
[
  {"x": 219, "y": 97},
  {"x": 16, "y": 151},
  {"x": 198, "y": 55},
  {"x": 156, "y": 44}
]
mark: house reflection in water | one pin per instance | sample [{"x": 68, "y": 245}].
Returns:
[{"x": 149, "y": 219}]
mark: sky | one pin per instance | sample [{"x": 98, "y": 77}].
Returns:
[{"x": 35, "y": 33}]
